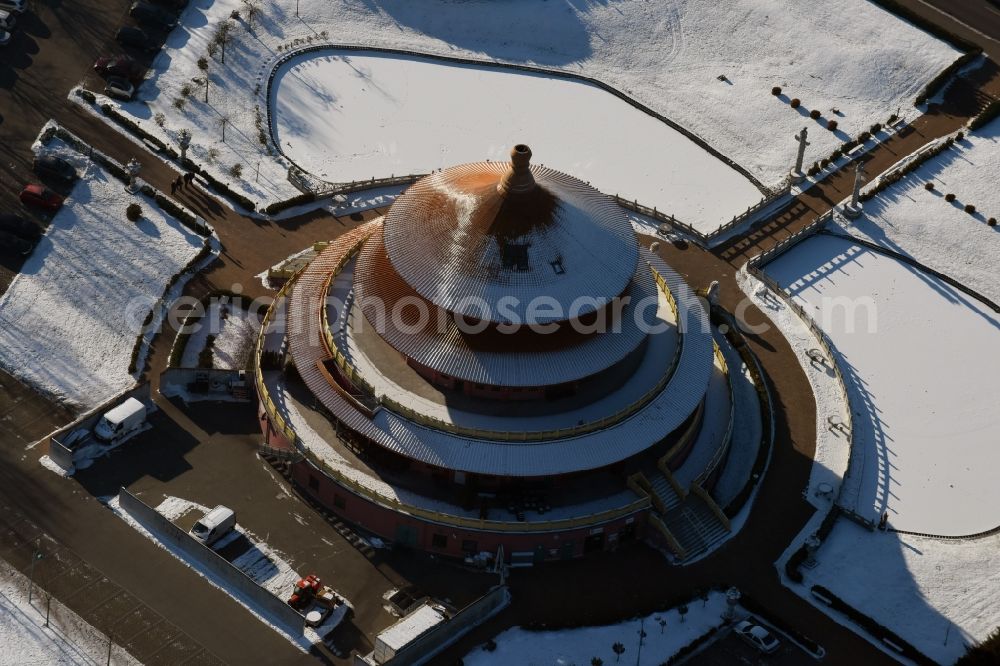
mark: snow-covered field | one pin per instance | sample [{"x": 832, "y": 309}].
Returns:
[
  {"x": 235, "y": 334},
  {"x": 668, "y": 55},
  {"x": 346, "y": 116},
  {"x": 937, "y": 595},
  {"x": 908, "y": 219},
  {"x": 26, "y": 639},
  {"x": 918, "y": 361},
  {"x": 579, "y": 646},
  {"x": 69, "y": 321}
]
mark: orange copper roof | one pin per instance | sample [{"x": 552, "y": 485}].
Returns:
[{"x": 488, "y": 239}]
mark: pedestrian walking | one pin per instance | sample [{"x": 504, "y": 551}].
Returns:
[
  {"x": 179, "y": 183},
  {"x": 188, "y": 177},
  {"x": 173, "y": 187}
]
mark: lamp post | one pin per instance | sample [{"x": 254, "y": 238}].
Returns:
[{"x": 35, "y": 556}]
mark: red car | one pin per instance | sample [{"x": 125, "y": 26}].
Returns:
[
  {"x": 120, "y": 65},
  {"x": 41, "y": 196}
]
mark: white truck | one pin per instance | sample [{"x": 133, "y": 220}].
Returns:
[{"x": 120, "y": 422}]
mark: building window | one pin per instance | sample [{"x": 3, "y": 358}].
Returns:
[
  {"x": 313, "y": 483},
  {"x": 469, "y": 546},
  {"x": 439, "y": 541},
  {"x": 339, "y": 501}
]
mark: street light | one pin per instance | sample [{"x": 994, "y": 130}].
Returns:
[{"x": 35, "y": 556}]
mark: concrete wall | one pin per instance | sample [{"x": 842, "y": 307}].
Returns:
[
  {"x": 235, "y": 582},
  {"x": 63, "y": 456},
  {"x": 424, "y": 648}
]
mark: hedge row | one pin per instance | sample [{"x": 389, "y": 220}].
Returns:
[
  {"x": 802, "y": 554},
  {"x": 985, "y": 653},
  {"x": 938, "y": 82},
  {"x": 692, "y": 646},
  {"x": 914, "y": 164},
  {"x": 928, "y": 26},
  {"x": 132, "y": 126},
  {"x": 298, "y": 200},
  {"x": 872, "y": 627},
  {"x": 989, "y": 112},
  {"x": 183, "y": 215},
  {"x": 206, "y": 249},
  {"x": 762, "y": 612}
]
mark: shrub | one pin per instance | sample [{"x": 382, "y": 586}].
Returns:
[
  {"x": 159, "y": 119},
  {"x": 992, "y": 221},
  {"x": 298, "y": 200},
  {"x": 133, "y": 212},
  {"x": 88, "y": 96},
  {"x": 235, "y": 15},
  {"x": 186, "y": 90},
  {"x": 928, "y": 186},
  {"x": 213, "y": 154},
  {"x": 876, "y": 128},
  {"x": 970, "y": 209},
  {"x": 824, "y": 163},
  {"x": 236, "y": 170},
  {"x": 203, "y": 63},
  {"x": 814, "y": 114},
  {"x": 892, "y": 118},
  {"x": 959, "y": 136},
  {"x": 832, "y": 125},
  {"x": 776, "y": 90},
  {"x": 864, "y": 136},
  {"x": 179, "y": 103},
  {"x": 490, "y": 645},
  {"x": 813, "y": 170},
  {"x": 796, "y": 102},
  {"x": 949, "y": 197}
]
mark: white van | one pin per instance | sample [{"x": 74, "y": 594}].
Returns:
[{"x": 214, "y": 525}]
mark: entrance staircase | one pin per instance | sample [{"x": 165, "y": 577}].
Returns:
[{"x": 689, "y": 521}]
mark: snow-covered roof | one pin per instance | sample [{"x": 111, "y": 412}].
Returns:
[
  {"x": 469, "y": 243},
  {"x": 680, "y": 397},
  {"x": 496, "y": 359}
]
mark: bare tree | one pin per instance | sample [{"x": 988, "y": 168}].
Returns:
[
  {"x": 619, "y": 650},
  {"x": 223, "y": 35},
  {"x": 251, "y": 8}
]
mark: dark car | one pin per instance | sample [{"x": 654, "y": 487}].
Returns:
[
  {"x": 137, "y": 39},
  {"x": 41, "y": 196},
  {"x": 148, "y": 14},
  {"x": 11, "y": 244},
  {"x": 122, "y": 66},
  {"x": 48, "y": 166},
  {"x": 18, "y": 226}
]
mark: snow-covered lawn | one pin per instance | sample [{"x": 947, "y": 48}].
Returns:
[
  {"x": 908, "y": 219},
  {"x": 579, "y": 646},
  {"x": 918, "y": 360},
  {"x": 69, "y": 321},
  {"x": 937, "y": 595},
  {"x": 346, "y": 116},
  {"x": 65, "y": 640},
  {"x": 235, "y": 334},
  {"x": 668, "y": 55}
]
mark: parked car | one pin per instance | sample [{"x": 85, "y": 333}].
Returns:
[
  {"x": 757, "y": 636},
  {"x": 158, "y": 17},
  {"x": 7, "y": 20},
  {"x": 18, "y": 226},
  {"x": 137, "y": 39},
  {"x": 119, "y": 88},
  {"x": 122, "y": 66},
  {"x": 11, "y": 244},
  {"x": 41, "y": 196},
  {"x": 214, "y": 525},
  {"x": 16, "y": 6},
  {"x": 49, "y": 166}
]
